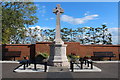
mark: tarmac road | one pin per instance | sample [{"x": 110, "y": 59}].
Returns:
[{"x": 109, "y": 72}]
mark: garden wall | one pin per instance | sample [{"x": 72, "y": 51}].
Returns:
[
  {"x": 72, "y": 47},
  {"x": 25, "y": 50},
  {"x": 81, "y": 50}
]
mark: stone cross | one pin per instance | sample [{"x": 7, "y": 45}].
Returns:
[
  {"x": 58, "y": 49},
  {"x": 58, "y": 11}
]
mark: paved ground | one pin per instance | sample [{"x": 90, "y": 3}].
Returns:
[
  {"x": 41, "y": 68},
  {"x": 109, "y": 70},
  {"x": 58, "y": 69}
]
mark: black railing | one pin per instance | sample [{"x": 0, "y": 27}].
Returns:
[
  {"x": 26, "y": 63},
  {"x": 45, "y": 67},
  {"x": 88, "y": 63}
]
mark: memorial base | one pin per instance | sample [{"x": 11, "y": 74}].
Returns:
[{"x": 58, "y": 55}]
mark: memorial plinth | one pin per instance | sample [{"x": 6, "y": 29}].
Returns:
[
  {"x": 58, "y": 48},
  {"x": 58, "y": 55}
]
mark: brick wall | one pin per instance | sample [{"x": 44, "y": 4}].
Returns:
[
  {"x": 26, "y": 50},
  {"x": 81, "y": 50},
  {"x": 72, "y": 47}
]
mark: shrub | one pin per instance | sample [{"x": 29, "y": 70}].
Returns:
[
  {"x": 73, "y": 57},
  {"x": 40, "y": 57},
  {"x": 45, "y": 55},
  {"x": 87, "y": 57}
]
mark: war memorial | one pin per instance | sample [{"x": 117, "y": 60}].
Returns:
[{"x": 58, "y": 61}]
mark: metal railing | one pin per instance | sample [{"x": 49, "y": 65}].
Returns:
[
  {"x": 88, "y": 63},
  {"x": 27, "y": 63}
]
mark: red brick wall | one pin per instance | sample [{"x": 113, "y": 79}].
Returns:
[
  {"x": 72, "y": 47},
  {"x": 25, "y": 49},
  {"x": 43, "y": 47},
  {"x": 89, "y": 49},
  {"x": 81, "y": 50}
]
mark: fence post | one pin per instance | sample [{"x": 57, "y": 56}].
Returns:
[
  {"x": 72, "y": 66},
  {"x": 81, "y": 65},
  {"x": 27, "y": 63},
  {"x": 87, "y": 63},
  {"x": 109, "y": 58},
  {"x": 45, "y": 67},
  {"x": 91, "y": 65},
  {"x": 35, "y": 65},
  {"x": 24, "y": 66},
  {"x": 14, "y": 58}
]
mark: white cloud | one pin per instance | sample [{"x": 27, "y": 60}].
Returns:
[
  {"x": 43, "y": 6},
  {"x": 42, "y": 11},
  {"x": 37, "y": 5},
  {"x": 46, "y": 19},
  {"x": 104, "y": 23},
  {"x": 76, "y": 21},
  {"x": 51, "y": 18},
  {"x": 32, "y": 27},
  {"x": 44, "y": 27},
  {"x": 39, "y": 27},
  {"x": 87, "y": 13},
  {"x": 115, "y": 35},
  {"x": 114, "y": 31},
  {"x": 42, "y": 15}
]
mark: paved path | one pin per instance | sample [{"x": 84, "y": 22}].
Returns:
[
  {"x": 58, "y": 69},
  {"x": 59, "y": 72}
]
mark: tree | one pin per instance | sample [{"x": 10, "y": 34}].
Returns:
[
  {"x": 106, "y": 37},
  {"x": 51, "y": 34},
  {"x": 84, "y": 35},
  {"x": 72, "y": 34},
  {"x": 90, "y": 35},
  {"x": 65, "y": 34},
  {"x": 33, "y": 35},
  {"x": 19, "y": 37},
  {"x": 16, "y": 15},
  {"x": 80, "y": 35}
]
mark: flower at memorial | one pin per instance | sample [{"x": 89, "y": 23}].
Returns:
[{"x": 78, "y": 57}]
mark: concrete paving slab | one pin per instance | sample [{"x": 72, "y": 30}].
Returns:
[
  {"x": 86, "y": 68},
  {"x": 58, "y": 69},
  {"x": 40, "y": 68},
  {"x": 106, "y": 61},
  {"x": 9, "y": 62}
]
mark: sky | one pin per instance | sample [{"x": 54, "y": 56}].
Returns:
[
  {"x": 76, "y": 0},
  {"x": 80, "y": 14}
]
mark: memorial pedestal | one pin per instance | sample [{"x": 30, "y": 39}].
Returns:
[{"x": 58, "y": 55}]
